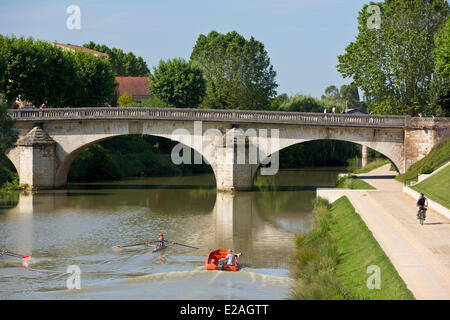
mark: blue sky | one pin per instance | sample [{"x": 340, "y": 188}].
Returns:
[{"x": 303, "y": 37}]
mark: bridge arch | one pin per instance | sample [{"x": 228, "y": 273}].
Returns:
[
  {"x": 65, "y": 163},
  {"x": 391, "y": 145},
  {"x": 384, "y": 150}
]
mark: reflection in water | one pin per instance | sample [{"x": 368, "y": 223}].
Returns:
[{"x": 81, "y": 224}]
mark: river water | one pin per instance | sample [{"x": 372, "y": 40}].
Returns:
[{"x": 80, "y": 225}]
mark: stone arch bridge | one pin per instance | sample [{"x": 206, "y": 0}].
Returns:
[{"x": 50, "y": 139}]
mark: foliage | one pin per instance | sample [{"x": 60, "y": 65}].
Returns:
[
  {"x": 442, "y": 50},
  {"x": 346, "y": 97},
  {"x": 316, "y": 259},
  {"x": 349, "y": 95},
  {"x": 276, "y": 102},
  {"x": 238, "y": 71},
  {"x": 95, "y": 84},
  {"x": 36, "y": 71},
  {"x": 332, "y": 92},
  {"x": 394, "y": 64},
  {"x": 352, "y": 182},
  {"x": 8, "y": 136},
  {"x": 125, "y": 99},
  {"x": 122, "y": 64},
  {"x": 2, "y": 63},
  {"x": 439, "y": 96},
  {"x": 178, "y": 83},
  {"x": 302, "y": 103},
  {"x": 438, "y": 156},
  {"x": 318, "y": 153},
  {"x": 377, "y": 163},
  {"x": 39, "y": 72},
  {"x": 13, "y": 184},
  {"x": 152, "y": 102},
  {"x": 129, "y": 156}
]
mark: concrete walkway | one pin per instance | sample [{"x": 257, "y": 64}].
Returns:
[{"x": 421, "y": 254}]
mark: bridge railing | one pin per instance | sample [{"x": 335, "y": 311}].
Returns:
[{"x": 241, "y": 116}]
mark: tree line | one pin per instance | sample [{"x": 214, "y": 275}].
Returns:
[{"x": 39, "y": 72}]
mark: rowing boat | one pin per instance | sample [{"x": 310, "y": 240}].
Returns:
[
  {"x": 158, "y": 248},
  {"x": 213, "y": 258}
]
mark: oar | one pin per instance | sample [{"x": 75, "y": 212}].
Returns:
[
  {"x": 15, "y": 255},
  {"x": 134, "y": 245},
  {"x": 184, "y": 245}
]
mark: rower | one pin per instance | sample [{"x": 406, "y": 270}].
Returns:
[{"x": 161, "y": 240}]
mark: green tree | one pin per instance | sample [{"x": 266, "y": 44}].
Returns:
[
  {"x": 349, "y": 95},
  {"x": 8, "y": 136},
  {"x": 36, "y": 71},
  {"x": 332, "y": 92},
  {"x": 238, "y": 71},
  {"x": 393, "y": 65},
  {"x": 439, "y": 95},
  {"x": 442, "y": 51},
  {"x": 125, "y": 99},
  {"x": 277, "y": 101},
  {"x": 302, "y": 103},
  {"x": 2, "y": 65},
  {"x": 179, "y": 83},
  {"x": 95, "y": 85},
  {"x": 122, "y": 64}
]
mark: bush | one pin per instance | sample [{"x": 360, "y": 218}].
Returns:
[
  {"x": 153, "y": 102},
  {"x": 426, "y": 169},
  {"x": 125, "y": 99}
]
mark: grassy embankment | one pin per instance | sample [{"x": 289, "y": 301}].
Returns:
[
  {"x": 352, "y": 182},
  {"x": 331, "y": 261},
  {"x": 437, "y": 157},
  {"x": 436, "y": 187},
  {"x": 372, "y": 166}
]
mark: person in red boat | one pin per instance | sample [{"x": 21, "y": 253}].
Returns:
[{"x": 230, "y": 258}]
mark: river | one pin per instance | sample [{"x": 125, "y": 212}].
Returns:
[{"x": 79, "y": 226}]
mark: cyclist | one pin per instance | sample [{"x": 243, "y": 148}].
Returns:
[{"x": 422, "y": 203}]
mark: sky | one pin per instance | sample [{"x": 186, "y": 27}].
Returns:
[{"x": 302, "y": 37}]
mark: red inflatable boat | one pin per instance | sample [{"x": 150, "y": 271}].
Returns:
[{"x": 212, "y": 261}]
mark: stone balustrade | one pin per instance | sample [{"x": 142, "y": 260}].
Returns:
[{"x": 234, "y": 116}]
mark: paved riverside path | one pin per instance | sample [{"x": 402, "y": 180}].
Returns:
[{"x": 421, "y": 254}]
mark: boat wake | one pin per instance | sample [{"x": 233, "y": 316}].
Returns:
[{"x": 190, "y": 285}]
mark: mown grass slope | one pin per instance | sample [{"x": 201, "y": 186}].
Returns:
[
  {"x": 331, "y": 261},
  {"x": 437, "y": 187},
  {"x": 437, "y": 157}
]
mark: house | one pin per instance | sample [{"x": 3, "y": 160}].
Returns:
[
  {"x": 71, "y": 47},
  {"x": 136, "y": 86}
]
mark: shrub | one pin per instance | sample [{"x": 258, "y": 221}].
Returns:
[{"x": 125, "y": 99}]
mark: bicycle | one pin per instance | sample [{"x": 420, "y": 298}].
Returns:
[{"x": 422, "y": 215}]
